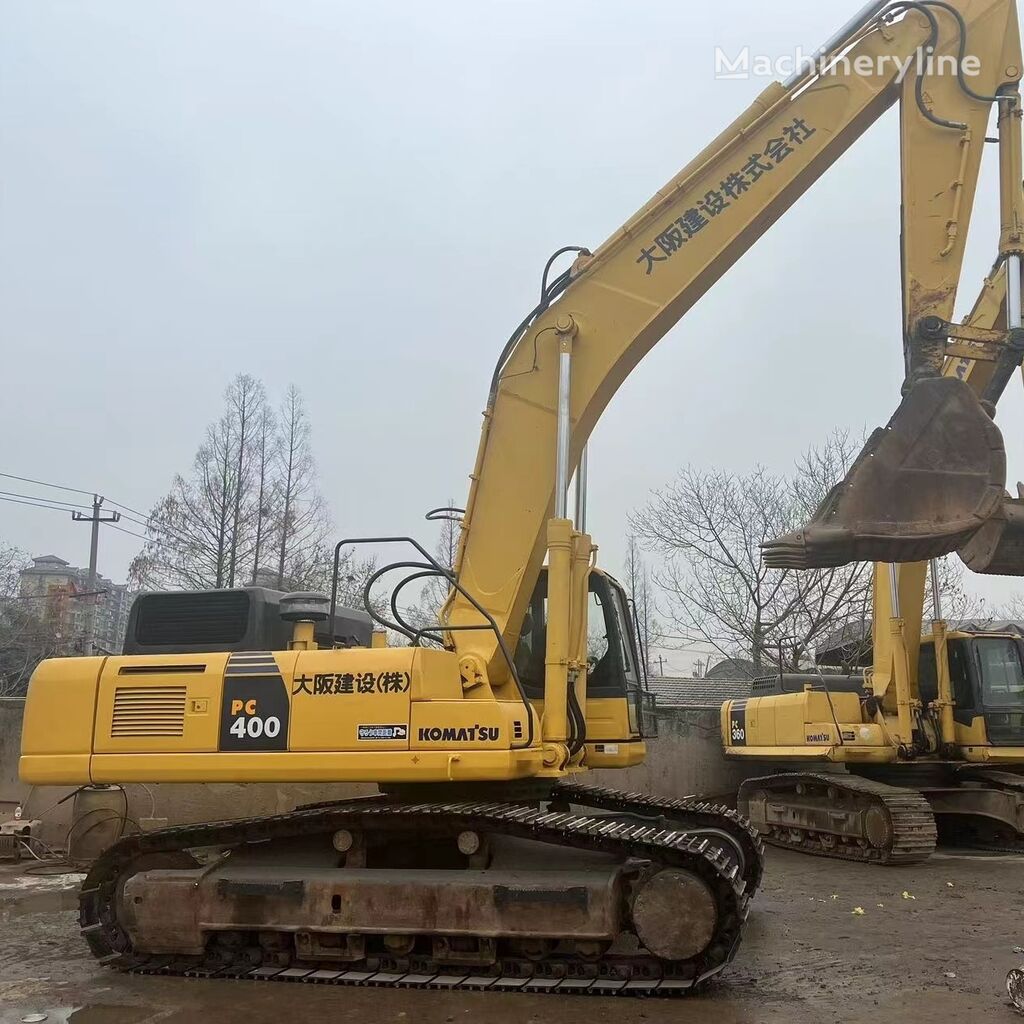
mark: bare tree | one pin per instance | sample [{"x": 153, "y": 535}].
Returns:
[
  {"x": 353, "y": 574},
  {"x": 266, "y": 443},
  {"x": 638, "y": 589},
  {"x": 710, "y": 525},
  {"x": 435, "y": 593},
  {"x": 246, "y": 398},
  {"x": 12, "y": 561},
  {"x": 1012, "y": 608},
  {"x": 252, "y": 490},
  {"x": 427, "y": 610},
  {"x": 29, "y": 628},
  {"x": 189, "y": 530},
  {"x": 957, "y": 602},
  {"x": 303, "y": 527}
]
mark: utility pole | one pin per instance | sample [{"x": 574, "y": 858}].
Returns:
[
  {"x": 96, "y": 518},
  {"x": 661, "y": 665}
]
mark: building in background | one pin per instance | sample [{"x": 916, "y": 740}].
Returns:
[
  {"x": 691, "y": 692},
  {"x": 849, "y": 647},
  {"x": 60, "y": 593}
]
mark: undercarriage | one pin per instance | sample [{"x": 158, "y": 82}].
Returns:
[
  {"x": 589, "y": 890},
  {"x": 891, "y": 814}
]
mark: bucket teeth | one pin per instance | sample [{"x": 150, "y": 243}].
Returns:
[{"x": 921, "y": 487}]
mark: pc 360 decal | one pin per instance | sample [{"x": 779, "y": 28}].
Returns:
[{"x": 738, "y": 723}]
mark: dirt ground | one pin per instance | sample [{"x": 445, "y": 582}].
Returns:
[{"x": 940, "y": 956}]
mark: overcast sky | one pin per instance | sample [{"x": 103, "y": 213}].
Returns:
[{"x": 359, "y": 198}]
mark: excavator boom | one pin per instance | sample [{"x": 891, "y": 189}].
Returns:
[{"x": 622, "y": 299}]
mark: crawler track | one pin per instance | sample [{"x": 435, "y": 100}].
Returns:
[
  {"x": 988, "y": 836},
  {"x": 688, "y": 812},
  {"x": 905, "y": 826},
  {"x": 633, "y": 972}
]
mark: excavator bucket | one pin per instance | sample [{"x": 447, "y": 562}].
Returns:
[
  {"x": 923, "y": 486},
  {"x": 998, "y": 547}
]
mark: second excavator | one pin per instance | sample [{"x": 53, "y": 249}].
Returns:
[
  {"x": 928, "y": 743},
  {"x": 485, "y": 862}
]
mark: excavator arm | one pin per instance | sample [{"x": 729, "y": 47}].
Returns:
[
  {"x": 899, "y": 590},
  {"x": 621, "y": 300}
]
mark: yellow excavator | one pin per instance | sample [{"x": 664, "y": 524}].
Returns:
[
  {"x": 486, "y": 862},
  {"x": 928, "y": 743}
]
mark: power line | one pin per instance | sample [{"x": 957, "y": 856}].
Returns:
[
  {"x": 58, "y": 505},
  {"x": 156, "y": 528},
  {"x": 61, "y": 508},
  {"x": 74, "y": 490},
  {"x": 128, "y": 508},
  {"x": 134, "y": 519},
  {"x": 147, "y": 522},
  {"x": 131, "y": 533},
  {"x": 164, "y": 532},
  {"x": 44, "y": 483},
  {"x": 36, "y": 504},
  {"x": 39, "y": 497}
]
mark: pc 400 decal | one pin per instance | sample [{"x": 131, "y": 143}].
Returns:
[{"x": 254, "y": 705}]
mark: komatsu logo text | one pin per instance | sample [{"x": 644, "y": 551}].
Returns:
[{"x": 460, "y": 734}]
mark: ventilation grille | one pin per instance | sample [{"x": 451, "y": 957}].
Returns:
[
  {"x": 220, "y": 618},
  {"x": 148, "y": 711}
]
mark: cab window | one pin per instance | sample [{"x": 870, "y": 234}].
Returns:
[
  {"x": 959, "y": 677},
  {"x": 1002, "y": 676}
]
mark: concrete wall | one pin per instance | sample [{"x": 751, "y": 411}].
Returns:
[{"x": 684, "y": 759}]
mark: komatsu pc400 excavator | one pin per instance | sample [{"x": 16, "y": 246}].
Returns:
[{"x": 485, "y": 862}]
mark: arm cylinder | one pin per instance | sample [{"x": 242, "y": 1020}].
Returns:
[{"x": 944, "y": 688}]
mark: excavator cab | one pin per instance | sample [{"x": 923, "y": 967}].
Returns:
[
  {"x": 987, "y": 676},
  {"x": 616, "y": 678}
]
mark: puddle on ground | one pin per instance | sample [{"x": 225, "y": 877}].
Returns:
[{"x": 38, "y": 894}]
